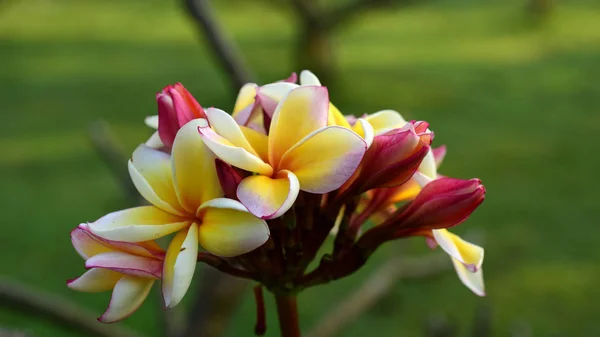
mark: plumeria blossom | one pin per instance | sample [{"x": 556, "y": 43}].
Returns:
[
  {"x": 186, "y": 199},
  {"x": 129, "y": 269},
  {"x": 287, "y": 162},
  {"x": 300, "y": 153}
]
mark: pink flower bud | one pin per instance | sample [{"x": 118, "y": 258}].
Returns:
[
  {"x": 176, "y": 107},
  {"x": 443, "y": 203}
]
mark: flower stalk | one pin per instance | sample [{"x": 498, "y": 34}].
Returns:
[{"x": 287, "y": 313}]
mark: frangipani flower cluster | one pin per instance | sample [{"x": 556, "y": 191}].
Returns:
[{"x": 256, "y": 194}]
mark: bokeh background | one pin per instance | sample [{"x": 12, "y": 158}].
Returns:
[{"x": 513, "y": 91}]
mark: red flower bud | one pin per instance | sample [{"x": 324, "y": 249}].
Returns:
[{"x": 176, "y": 107}]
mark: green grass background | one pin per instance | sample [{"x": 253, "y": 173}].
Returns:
[{"x": 517, "y": 104}]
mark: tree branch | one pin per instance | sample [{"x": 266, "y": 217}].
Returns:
[
  {"x": 57, "y": 310},
  {"x": 341, "y": 14},
  {"x": 375, "y": 288},
  {"x": 223, "y": 49},
  {"x": 109, "y": 150}
]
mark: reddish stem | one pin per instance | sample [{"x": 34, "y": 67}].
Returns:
[
  {"x": 261, "y": 322},
  {"x": 287, "y": 312}
]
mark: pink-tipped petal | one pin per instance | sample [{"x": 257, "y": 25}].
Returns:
[
  {"x": 179, "y": 266},
  {"x": 125, "y": 263},
  {"x": 325, "y": 159},
  {"x": 195, "y": 176},
  {"x": 267, "y": 197},
  {"x": 231, "y": 154},
  {"x": 129, "y": 293},
  {"x": 137, "y": 224},
  {"x": 292, "y": 79},
  {"x": 186, "y": 106},
  {"x": 85, "y": 244},
  {"x": 95, "y": 280},
  {"x": 151, "y": 173},
  {"x": 228, "y": 229},
  {"x": 301, "y": 112}
]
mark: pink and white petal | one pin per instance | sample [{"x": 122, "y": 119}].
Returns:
[
  {"x": 325, "y": 159},
  {"x": 95, "y": 280},
  {"x": 152, "y": 121},
  {"x": 439, "y": 153},
  {"x": 194, "y": 172},
  {"x": 301, "y": 112},
  {"x": 151, "y": 173},
  {"x": 308, "y": 78},
  {"x": 365, "y": 130},
  {"x": 146, "y": 248},
  {"x": 225, "y": 126},
  {"x": 154, "y": 141},
  {"x": 469, "y": 254},
  {"x": 231, "y": 154},
  {"x": 229, "y": 231},
  {"x": 267, "y": 197},
  {"x": 86, "y": 245},
  {"x": 129, "y": 293},
  {"x": 385, "y": 120},
  {"x": 179, "y": 265},
  {"x": 143, "y": 223},
  {"x": 473, "y": 281},
  {"x": 125, "y": 263},
  {"x": 245, "y": 98}
]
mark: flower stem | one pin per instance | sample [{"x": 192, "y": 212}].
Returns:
[{"x": 287, "y": 312}]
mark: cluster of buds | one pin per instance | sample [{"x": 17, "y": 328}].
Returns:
[{"x": 256, "y": 194}]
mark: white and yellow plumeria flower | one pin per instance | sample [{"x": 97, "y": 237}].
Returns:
[
  {"x": 300, "y": 152},
  {"x": 186, "y": 199}
]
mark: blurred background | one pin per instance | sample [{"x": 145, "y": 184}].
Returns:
[{"x": 511, "y": 87}]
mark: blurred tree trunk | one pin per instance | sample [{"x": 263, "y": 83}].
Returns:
[{"x": 314, "y": 51}]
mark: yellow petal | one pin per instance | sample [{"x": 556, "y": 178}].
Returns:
[
  {"x": 228, "y": 229},
  {"x": 459, "y": 249},
  {"x": 179, "y": 265},
  {"x": 302, "y": 111},
  {"x": 150, "y": 171},
  {"x": 195, "y": 174},
  {"x": 325, "y": 159},
  {"x": 129, "y": 293},
  {"x": 365, "y": 130},
  {"x": 267, "y": 197},
  {"x": 86, "y": 245},
  {"x": 385, "y": 120},
  {"x": 225, "y": 126},
  {"x": 245, "y": 97},
  {"x": 336, "y": 118},
  {"x": 231, "y": 154},
  {"x": 137, "y": 224},
  {"x": 406, "y": 191},
  {"x": 473, "y": 281},
  {"x": 95, "y": 280},
  {"x": 259, "y": 142}
]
